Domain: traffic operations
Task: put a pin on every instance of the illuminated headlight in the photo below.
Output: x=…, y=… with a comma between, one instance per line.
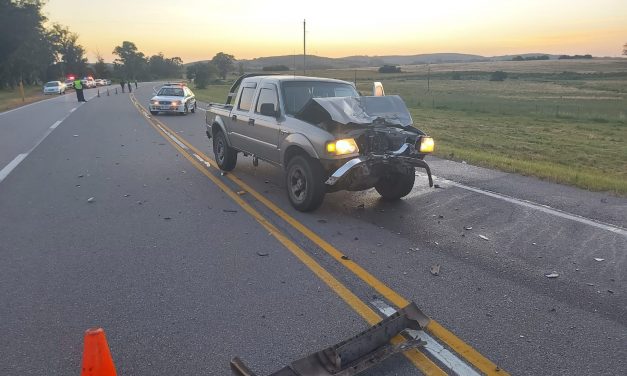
x=341, y=147
x=175, y=103
x=427, y=145
x=154, y=102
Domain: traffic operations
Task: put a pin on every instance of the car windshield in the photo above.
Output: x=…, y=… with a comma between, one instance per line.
x=171, y=91
x=52, y=84
x=297, y=93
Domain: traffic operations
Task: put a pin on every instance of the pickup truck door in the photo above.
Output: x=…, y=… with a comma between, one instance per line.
x=264, y=128
x=239, y=127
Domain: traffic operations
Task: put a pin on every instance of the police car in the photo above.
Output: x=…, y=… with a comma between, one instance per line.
x=173, y=98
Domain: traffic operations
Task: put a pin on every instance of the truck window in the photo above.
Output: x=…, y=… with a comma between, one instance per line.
x=246, y=99
x=297, y=93
x=267, y=95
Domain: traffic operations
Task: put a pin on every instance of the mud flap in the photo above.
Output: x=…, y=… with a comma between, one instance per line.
x=356, y=354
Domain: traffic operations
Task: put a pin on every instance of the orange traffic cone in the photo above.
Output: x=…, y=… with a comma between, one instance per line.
x=96, y=356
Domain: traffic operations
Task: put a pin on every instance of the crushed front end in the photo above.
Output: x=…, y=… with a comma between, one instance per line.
x=383, y=139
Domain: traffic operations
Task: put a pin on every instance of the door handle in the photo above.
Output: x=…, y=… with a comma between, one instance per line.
x=251, y=121
x=281, y=131
x=234, y=117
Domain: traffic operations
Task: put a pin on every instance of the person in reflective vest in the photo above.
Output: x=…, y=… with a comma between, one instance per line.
x=78, y=86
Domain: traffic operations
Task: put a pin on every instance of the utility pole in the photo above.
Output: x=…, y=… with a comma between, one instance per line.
x=304, y=50
x=428, y=78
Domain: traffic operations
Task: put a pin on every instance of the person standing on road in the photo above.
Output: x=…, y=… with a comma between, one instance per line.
x=129, y=86
x=135, y=84
x=78, y=87
x=122, y=84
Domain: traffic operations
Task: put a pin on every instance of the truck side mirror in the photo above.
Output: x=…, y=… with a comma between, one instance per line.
x=267, y=109
x=377, y=90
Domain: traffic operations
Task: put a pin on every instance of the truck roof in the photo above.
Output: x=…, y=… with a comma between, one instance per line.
x=293, y=78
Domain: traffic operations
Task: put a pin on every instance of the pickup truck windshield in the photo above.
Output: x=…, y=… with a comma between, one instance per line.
x=297, y=93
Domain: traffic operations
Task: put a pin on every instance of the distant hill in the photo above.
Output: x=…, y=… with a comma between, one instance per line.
x=320, y=62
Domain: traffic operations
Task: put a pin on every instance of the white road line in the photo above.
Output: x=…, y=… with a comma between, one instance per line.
x=438, y=351
x=532, y=205
x=13, y=164
x=17, y=160
x=173, y=138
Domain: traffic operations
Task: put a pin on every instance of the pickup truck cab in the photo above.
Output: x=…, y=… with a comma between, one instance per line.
x=323, y=134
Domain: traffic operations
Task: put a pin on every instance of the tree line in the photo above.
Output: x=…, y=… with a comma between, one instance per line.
x=32, y=53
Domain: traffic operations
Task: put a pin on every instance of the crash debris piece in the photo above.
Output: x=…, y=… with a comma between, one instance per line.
x=599, y=259
x=240, y=193
x=91, y=199
x=260, y=253
x=484, y=237
x=322, y=221
x=344, y=257
x=435, y=269
x=468, y=228
x=552, y=275
x=229, y=211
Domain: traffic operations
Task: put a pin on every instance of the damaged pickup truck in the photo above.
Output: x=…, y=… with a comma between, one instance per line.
x=323, y=134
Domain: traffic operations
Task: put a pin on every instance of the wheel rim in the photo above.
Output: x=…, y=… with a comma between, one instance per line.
x=220, y=149
x=297, y=184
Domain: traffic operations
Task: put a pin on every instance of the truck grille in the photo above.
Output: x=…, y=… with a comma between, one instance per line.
x=165, y=102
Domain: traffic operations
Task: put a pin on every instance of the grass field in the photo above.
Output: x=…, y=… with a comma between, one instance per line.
x=12, y=98
x=563, y=121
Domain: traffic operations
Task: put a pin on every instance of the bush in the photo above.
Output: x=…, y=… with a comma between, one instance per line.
x=498, y=76
x=275, y=68
x=389, y=69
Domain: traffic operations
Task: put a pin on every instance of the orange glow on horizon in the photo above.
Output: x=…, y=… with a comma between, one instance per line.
x=249, y=29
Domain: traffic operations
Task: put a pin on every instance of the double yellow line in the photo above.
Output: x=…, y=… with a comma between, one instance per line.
x=421, y=361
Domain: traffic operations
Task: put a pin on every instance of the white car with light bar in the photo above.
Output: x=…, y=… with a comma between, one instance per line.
x=54, y=87
x=176, y=98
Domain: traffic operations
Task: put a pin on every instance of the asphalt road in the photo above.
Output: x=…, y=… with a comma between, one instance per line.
x=182, y=277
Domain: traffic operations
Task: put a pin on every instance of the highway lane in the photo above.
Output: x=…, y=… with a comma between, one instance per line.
x=21, y=129
x=68, y=264
x=170, y=266
x=499, y=284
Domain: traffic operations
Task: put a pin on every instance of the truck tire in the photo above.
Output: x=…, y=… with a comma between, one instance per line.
x=226, y=156
x=394, y=186
x=305, y=183
x=193, y=110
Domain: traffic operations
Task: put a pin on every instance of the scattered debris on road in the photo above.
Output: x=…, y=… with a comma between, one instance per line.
x=468, y=228
x=229, y=210
x=91, y=199
x=259, y=253
x=435, y=269
x=322, y=221
x=360, y=207
x=599, y=259
x=167, y=218
x=436, y=186
x=240, y=193
x=344, y=257
x=223, y=173
x=484, y=237
x=552, y=275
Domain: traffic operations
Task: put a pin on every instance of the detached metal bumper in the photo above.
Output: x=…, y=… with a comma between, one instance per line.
x=356, y=354
x=404, y=155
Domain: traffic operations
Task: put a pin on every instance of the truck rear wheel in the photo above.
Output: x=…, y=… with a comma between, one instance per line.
x=394, y=186
x=305, y=183
x=226, y=156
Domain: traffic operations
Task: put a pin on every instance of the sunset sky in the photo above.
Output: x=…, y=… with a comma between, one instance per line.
x=198, y=29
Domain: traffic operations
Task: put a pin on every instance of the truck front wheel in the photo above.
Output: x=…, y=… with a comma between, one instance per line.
x=225, y=155
x=305, y=183
x=396, y=185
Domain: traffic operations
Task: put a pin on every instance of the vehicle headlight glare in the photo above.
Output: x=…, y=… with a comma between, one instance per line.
x=341, y=147
x=427, y=145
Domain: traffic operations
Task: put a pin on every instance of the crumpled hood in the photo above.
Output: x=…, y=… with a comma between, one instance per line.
x=389, y=110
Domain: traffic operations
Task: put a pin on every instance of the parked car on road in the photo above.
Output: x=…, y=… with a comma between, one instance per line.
x=54, y=87
x=173, y=98
x=322, y=133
